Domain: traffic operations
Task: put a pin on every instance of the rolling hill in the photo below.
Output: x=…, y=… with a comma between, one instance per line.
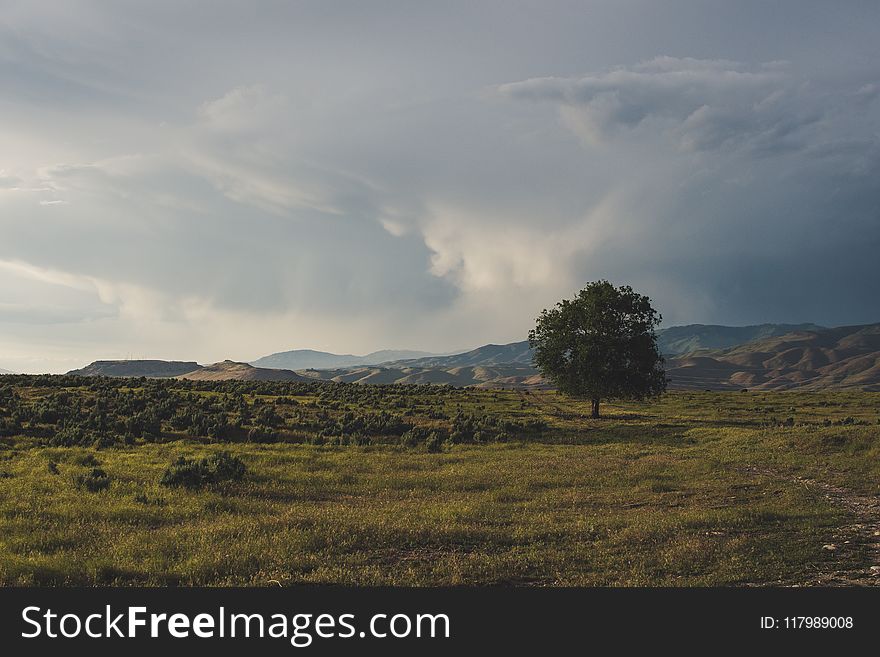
x=778, y=356
x=677, y=340
x=504, y=376
x=672, y=341
x=300, y=359
x=156, y=369
x=229, y=369
x=807, y=358
x=843, y=357
x=490, y=354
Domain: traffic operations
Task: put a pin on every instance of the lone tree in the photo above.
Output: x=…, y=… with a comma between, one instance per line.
x=600, y=345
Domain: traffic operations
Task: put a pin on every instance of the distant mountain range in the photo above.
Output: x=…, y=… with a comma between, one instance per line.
x=483, y=376
x=766, y=356
x=491, y=354
x=677, y=340
x=843, y=357
x=672, y=341
x=2, y=371
x=303, y=359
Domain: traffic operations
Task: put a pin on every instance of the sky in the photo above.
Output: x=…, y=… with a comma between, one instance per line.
x=210, y=180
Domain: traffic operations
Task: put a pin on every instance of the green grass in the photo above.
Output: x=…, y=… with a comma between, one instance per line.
x=695, y=489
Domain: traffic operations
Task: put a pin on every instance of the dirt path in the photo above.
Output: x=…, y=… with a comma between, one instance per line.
x=862, y=534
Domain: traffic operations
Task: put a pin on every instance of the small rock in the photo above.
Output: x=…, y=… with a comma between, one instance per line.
x=829, y=547
x=875, y=571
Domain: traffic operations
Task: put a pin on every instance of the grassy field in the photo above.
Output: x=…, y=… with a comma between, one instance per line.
x=695, y=489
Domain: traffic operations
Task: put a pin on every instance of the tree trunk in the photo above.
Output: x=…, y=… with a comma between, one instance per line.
x=595, y=404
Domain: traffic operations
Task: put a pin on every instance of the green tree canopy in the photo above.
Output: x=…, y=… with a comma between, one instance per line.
x=600, y=345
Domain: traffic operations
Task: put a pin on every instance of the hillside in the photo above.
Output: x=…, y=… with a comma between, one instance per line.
x=810, y=358
x=136, y=368
x=843, y=357
x=677, y=340
x=300, y=359
x=672, y=341
x=507, y=376
x=230, y=370
x=490, y=354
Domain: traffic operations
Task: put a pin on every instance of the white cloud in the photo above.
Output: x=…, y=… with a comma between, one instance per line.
x=244, y=111
x=702, y=104
x=484, y=254
x=8, y=181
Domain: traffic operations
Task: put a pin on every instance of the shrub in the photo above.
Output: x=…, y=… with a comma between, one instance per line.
x=105, y=440
x=93, y=481
x=361, y=440
x=418, y=436
x=9, y=427
x=269, y=417
x=77, y=436
x=434, y=443
x=70, y=437
x=261, y=435
x=88, y=460
x=196, y=473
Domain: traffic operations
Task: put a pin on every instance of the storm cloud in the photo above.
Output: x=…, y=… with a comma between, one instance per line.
x=214, y=180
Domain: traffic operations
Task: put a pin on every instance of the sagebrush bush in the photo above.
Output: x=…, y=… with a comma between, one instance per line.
x=421, y=435
x=262, y=434
x=93, y=481
x=88, y=460
x=434, y=443
x=196, y=473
